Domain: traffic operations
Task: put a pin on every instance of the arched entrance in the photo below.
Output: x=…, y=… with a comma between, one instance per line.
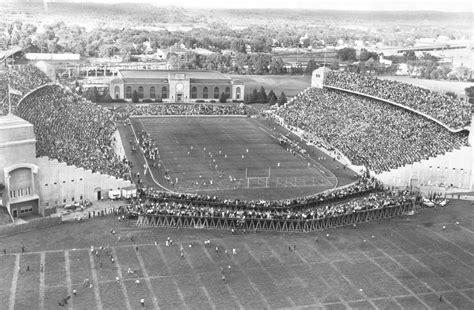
x=98, y=193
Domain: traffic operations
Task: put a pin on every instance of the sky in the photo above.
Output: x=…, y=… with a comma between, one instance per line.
x=383, y=5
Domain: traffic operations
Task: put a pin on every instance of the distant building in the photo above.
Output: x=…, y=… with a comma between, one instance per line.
x=175, y=85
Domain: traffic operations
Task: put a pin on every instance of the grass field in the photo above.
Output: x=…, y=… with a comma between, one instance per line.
x=245, y=151
x=290, y=84
x=401, y=263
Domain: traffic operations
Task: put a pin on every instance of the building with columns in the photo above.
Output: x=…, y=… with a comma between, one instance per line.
x=175, y=85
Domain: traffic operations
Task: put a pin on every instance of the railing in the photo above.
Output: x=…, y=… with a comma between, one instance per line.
x=278, y=225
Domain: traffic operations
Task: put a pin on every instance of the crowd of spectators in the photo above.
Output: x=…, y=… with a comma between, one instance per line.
x=160, y=203
x=363, y=186
x=180, y=109
x=21, y=78
x=73, y=130
x=453, y=112
x=370, y=133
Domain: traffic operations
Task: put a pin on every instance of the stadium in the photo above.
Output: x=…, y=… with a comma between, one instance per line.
x=251, y=199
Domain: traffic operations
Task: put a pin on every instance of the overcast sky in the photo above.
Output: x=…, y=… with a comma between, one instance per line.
x=389, y=5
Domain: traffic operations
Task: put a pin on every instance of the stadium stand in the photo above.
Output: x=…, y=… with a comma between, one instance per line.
x=454, y=112
x=21, y=78
x=368, y=132
x=180, y=109
x=72, y=130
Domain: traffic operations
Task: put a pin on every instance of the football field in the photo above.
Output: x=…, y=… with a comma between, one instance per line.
x=400, y=263
x=234, y=157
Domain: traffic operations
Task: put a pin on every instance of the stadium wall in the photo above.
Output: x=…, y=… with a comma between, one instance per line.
x=61, y=184
x=450, y=172
x=37, y=223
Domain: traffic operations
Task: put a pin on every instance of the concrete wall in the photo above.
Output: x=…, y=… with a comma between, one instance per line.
x=31, y=224
x=61, y=184
x=451, y=171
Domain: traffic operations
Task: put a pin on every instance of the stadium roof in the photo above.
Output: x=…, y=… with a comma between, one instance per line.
x=163, y=74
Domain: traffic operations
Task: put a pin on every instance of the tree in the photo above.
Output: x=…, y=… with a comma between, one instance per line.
x=282, y=99
x=135, y=96
x=311, y=66
x=347, y=54
x=107, y=98
x=223, y=98
x=366, y=55
x=272, y=98
x=92, y=94
x=262, y=96
x=254, y=96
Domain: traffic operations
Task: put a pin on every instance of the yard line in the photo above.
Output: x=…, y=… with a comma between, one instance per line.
x=147, y=280
x=297, y=254
x=186, y=258
x=14, y=282
x=41, y=284
x=249, y=250
x=67, y=267
x=180, y=293
x=394, y=278
x=466, y=229
x=280, y=260
x=447, y=240
x=229, y=289
x=406, y=269
x=96, y=282
x=418, y=261
x=122, y=284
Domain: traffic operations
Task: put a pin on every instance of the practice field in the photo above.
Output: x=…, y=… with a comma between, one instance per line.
x=401, y=263
x=290, y=84
x=236, y=157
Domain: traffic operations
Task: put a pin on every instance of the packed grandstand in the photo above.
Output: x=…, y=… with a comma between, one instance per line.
x=454, y=112
x=380, y=136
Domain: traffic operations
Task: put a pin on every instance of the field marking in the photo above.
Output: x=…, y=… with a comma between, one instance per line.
x=229, y=289
x=467, y=229
x=278, y=257
x=331, y=175
x=67, y=267
x=146, y=161
x=41, y=284
x=394, y=278
x=178, y=289
x=122, y=284
x=147, y=279
x=447, y=240
x=407, y=270
x=262, y=297
x=304, y=260
x=429, y=269
x=413, y=257
x=96, y=282
x=249, y=250
x=193, y=271
x=14, y=282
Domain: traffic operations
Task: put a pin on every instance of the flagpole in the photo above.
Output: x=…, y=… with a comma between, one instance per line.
x=9, y=100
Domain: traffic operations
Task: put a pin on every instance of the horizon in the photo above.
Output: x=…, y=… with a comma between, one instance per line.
x=454, y=6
